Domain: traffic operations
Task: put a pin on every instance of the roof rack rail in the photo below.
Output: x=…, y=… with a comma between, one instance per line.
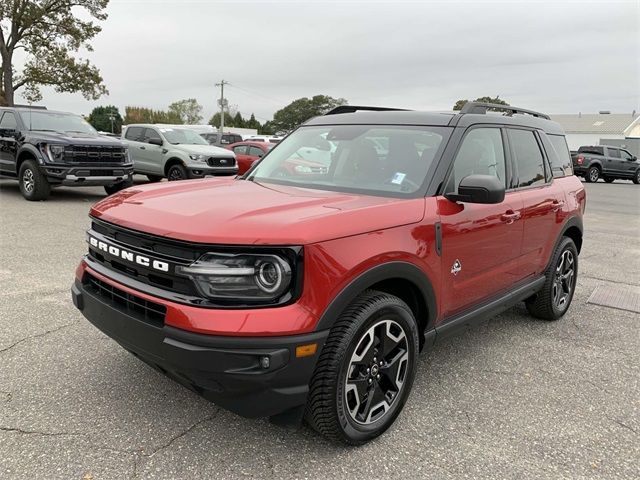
x=355, y=108
x=478, y=107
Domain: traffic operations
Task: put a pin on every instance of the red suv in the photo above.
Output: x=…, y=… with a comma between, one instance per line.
x=293, y=292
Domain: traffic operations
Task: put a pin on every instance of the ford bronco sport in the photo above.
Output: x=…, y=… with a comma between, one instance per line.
x=44, y=149
x=308, y=294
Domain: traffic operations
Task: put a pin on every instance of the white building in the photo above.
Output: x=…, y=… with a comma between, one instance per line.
x=589, y=129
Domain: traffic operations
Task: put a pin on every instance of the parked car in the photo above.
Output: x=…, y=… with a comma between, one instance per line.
x=608, y=163
x=221, y=139
x=44, y=149
x=264, y=139
x=312, y=294
x=248, y=152
x=174, y=153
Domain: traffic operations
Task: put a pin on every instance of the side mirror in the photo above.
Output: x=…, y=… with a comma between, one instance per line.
x=155, y=141
x=633, y=158
x=478, y=189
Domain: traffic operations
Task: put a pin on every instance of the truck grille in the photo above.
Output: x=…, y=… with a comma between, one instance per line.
x=144, y=310
x=91, y=154
x=221, y=162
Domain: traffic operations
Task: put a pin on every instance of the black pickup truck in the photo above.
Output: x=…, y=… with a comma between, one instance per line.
x=608, y=163
x=43, y=149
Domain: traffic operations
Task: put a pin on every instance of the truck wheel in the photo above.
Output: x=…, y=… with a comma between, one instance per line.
x=553, y=300
x=33, y=185
x=366, y=370
x=636, y=177
x=608, y=179
x=592, y=175
x=116, y=187
x=176, y=172
x=154, y=178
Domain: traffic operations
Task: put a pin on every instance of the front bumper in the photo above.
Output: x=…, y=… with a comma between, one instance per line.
x=202, y=170
x=87, y=175
x=229, y=371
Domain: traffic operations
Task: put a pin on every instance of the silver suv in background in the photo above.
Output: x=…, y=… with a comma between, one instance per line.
x=161, y=151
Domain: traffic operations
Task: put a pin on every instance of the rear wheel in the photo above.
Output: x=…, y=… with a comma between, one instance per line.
x=592, y=175
x=366, y=370
x=176, y=172
x=636, y=177
x=553, y=300
x=608, y=179
x=154, y=178
x=33, y=184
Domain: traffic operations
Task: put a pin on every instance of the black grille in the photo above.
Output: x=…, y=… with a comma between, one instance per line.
x=94, y=154
x=220, y=162
x=144, y=310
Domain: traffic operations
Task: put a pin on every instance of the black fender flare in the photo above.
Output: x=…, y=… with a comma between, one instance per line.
x=385, y=271
x=29, y=149
x=595, y=163
x=569, y=223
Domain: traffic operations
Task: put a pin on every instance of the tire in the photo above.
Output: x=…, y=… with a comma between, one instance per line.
x=33, y=184
x=177, y=172
x=608, y=179
x=116, y=187
x=592, y=175
x=546, y=303
x=335, y=406
x=154, y=178
x=636, y=177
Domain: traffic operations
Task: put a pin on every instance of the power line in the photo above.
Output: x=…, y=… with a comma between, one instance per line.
x=255, y=94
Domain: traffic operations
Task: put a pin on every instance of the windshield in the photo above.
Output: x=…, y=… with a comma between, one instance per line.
x=183, y=136
x=56, y=122
x=371, y=159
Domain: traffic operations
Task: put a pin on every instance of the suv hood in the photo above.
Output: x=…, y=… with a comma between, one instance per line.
x=203, y=150
x=83, y=139
x=229, y=211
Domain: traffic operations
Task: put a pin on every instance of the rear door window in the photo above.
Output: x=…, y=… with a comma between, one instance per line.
x=613, y=152
x=528, y=158
x=561, y=164
x=134, y=134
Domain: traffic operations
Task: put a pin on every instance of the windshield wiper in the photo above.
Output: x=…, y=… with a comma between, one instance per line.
x=76, y=131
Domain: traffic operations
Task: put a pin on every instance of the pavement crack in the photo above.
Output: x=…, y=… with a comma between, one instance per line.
x=623, y=425
x=620, y=282
x=31, y=337
x=36, y=432
x=182, y=434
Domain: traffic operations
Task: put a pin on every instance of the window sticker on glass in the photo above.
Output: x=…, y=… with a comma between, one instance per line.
x=398, y=178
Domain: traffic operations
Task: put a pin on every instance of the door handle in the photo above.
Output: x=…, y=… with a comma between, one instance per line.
x=510, y=216
x=557, y=205
x=143, y=148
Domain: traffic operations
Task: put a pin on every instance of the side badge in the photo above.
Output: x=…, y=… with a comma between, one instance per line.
x=457, y=266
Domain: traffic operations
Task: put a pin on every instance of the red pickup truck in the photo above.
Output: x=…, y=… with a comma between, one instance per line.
x=301, y=293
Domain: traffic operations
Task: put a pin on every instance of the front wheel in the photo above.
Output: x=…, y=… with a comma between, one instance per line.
x=592, y=175
x=116, y=187
x=554, y=298
x=636, y=177
x=366, y=370
x=33, y=184
x=176, y=172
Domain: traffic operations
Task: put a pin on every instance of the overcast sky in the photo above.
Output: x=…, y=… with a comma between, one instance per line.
x=553, y=56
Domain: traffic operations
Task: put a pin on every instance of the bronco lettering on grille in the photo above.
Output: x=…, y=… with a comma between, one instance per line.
x=129, y=256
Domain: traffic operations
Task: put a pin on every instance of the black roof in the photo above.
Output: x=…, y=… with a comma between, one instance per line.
x=385, y=116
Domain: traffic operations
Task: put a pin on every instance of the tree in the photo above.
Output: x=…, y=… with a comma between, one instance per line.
x=49, y=33
x=238, y=121
x=301, y=110
x=253, y=123
x=460, y=103
x=100, y=118
x=188, y=111
x=148, y=115
x=215, y=120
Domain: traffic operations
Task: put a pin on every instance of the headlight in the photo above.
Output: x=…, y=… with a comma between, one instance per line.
x=198, y=158
x=245, y=277
x=54, y=152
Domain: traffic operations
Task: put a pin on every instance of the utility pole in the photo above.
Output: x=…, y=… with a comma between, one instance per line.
x=222, y=103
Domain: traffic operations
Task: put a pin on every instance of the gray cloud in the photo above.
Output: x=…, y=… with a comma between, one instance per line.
x=558, y=57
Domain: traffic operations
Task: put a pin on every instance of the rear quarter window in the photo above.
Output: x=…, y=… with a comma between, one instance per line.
x=560, y=158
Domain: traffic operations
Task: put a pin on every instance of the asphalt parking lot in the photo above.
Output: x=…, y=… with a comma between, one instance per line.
x=512, y=398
